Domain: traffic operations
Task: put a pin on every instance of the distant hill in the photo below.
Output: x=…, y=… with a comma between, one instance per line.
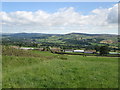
x=92, y=34
x=60, y=40
x=28, y=34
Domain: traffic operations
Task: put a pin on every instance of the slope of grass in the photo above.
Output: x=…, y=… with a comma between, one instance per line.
x=0, y=71
x=59, y=71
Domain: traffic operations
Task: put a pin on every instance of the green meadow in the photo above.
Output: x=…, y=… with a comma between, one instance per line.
x=39, y=69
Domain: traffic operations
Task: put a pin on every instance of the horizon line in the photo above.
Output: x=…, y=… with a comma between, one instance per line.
x=57, y=33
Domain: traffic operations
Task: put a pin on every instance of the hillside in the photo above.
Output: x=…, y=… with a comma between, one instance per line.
x=71, y=40
x=39, y=69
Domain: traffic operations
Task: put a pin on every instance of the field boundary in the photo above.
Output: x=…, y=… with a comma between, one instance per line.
x=83, y=54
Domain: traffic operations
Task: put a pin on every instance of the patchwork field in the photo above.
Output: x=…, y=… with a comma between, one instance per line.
x=37, y=69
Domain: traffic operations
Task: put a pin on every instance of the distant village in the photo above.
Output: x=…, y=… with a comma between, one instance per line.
x=55, y=49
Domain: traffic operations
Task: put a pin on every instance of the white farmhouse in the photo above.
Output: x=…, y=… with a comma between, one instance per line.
x=81, y=51
x=26, y=48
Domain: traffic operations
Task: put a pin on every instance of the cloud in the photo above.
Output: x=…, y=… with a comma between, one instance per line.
x=65, y=18
x=113, y=14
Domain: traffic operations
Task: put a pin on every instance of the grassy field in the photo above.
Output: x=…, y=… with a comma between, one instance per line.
x=0, y=71
x=35, y=69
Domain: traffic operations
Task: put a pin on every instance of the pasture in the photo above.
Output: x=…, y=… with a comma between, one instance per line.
x=37, y=69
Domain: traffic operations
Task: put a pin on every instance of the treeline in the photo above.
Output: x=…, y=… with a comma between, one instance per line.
x=70, y=44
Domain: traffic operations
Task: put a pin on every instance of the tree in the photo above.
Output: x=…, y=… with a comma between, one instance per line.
x=97, y=48
x=90, y=47
x=104, y=50
x=34, y=45
x=47, y=48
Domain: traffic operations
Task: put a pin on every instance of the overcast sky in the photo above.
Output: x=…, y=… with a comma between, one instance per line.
x=60, y=17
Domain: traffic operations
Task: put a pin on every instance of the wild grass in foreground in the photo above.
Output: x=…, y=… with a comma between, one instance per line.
x=59, y=71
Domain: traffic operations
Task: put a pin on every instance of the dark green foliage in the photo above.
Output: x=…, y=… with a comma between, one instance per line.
x=76, y=42
x=90, y=47
x=104, y=50
x=68, y=41
x=97, y=48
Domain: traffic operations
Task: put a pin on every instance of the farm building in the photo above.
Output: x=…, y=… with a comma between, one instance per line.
x=55, y=49
x=90, y=51
x=16, y=47
x=81, y=51
x=38, y=49
x=68, y=50
x=24, y=48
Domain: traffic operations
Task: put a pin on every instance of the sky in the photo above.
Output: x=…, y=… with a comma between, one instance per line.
x=59, y=17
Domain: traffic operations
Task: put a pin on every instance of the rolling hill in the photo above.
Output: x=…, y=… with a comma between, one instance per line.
x=73, y=40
